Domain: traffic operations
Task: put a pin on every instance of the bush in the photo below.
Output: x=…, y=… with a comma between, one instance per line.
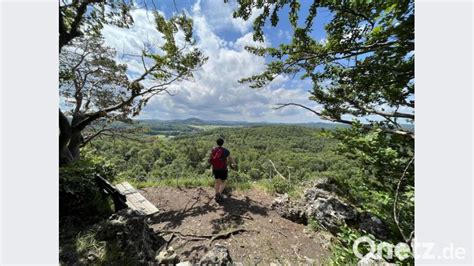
x=78, y=192
x=281, y=186
x=343, y=253
x=313, y=224
x=277, y=185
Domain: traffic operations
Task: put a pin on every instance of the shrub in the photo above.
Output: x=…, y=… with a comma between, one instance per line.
x=281, y=186
x=78, y=192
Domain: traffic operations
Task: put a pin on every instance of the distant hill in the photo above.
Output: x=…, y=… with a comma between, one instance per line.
x=197, y=121
x=178, y=127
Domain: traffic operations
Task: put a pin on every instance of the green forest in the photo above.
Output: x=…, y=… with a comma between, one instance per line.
x=361, y=80
x=366, y=178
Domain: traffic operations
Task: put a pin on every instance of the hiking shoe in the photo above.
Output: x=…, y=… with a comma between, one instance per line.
x=218, y=197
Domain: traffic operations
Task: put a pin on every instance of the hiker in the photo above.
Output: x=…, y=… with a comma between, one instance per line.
x=219, y=158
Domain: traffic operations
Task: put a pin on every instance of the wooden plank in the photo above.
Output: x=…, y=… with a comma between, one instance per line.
x=135, y=200
x=130, y=193
x=120, y=188
x=141, y=201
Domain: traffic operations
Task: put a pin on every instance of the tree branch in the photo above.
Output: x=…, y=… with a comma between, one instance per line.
x=279, y=174
x=353, y=12
x=64, y=36
x=88, y=139
x=347, y=122
x=395, y=204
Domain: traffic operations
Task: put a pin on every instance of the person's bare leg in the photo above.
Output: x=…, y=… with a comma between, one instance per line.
x=222, y=186
x=217, y=185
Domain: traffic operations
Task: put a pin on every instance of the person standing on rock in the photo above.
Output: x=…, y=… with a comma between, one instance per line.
x=219, y=159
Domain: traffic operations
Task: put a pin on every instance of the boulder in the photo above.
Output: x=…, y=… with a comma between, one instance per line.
x=288, y=210
x=327, y=185
x=318, y=204
x=167, y=257
x=314, y=193
x=184, y=263
x=321, y=203
x=129, y=232
x=218, y=255
x=331, y=213
x=373, y=225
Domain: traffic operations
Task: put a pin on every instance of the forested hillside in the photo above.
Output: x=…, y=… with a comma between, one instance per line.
x=299, y=152
x=274, y=159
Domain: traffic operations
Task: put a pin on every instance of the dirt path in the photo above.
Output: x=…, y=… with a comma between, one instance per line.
x=188, y=218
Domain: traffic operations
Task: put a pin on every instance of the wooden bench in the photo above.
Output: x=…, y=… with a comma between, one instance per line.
x=108, y=189
x=135, y=200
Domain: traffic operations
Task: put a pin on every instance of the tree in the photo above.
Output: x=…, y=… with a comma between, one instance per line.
x=363, y=70
x=362, y=75
x=78, y=16
x=97, y=87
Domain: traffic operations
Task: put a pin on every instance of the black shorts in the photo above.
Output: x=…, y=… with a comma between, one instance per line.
x=220, y=174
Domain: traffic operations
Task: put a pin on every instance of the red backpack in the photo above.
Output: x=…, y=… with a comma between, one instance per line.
x=217, y=158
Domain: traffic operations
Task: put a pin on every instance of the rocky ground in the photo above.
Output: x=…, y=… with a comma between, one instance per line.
x=193, y=224
x=247, y=228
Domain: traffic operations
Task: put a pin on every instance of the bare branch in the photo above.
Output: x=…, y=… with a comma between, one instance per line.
x=279, y=174
x=89, y=138
x=395, y=204
x=343, y=121
x=143, y=62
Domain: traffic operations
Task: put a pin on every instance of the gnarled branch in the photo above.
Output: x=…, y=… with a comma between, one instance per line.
x=395, y=203
x=347, y=122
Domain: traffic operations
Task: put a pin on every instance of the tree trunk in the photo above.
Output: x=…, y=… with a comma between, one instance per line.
x=65, y=155
x=70, y=139
x=75, y=143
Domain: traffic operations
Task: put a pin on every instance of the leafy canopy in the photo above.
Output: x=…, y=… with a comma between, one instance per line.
x=364, y=67
x=95, y=86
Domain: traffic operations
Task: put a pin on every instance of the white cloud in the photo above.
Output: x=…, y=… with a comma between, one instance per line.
x=219, y=16
x=129, y=43
x=284, y=34
x=215, y=92
x=247, y=40
x=131, y=40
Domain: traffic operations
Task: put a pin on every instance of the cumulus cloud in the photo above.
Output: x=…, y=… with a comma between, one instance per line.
x=129, y=43
x=214, y=92
x=219, y=16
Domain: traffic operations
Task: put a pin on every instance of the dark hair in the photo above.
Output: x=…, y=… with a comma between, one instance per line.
x=220, y=141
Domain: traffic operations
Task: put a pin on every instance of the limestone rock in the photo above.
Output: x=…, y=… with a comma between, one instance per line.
x=184, y=263
x=218, y=255
x=288, y=210
x=331, y=212
x=129, y=232
x=373, y=225
x=321, y=203
x=167, y=257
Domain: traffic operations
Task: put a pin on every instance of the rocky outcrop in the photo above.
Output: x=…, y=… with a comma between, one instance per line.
x=327, y=209
x=289, y=210
x=373, y=225
x=321, y=203
x=218, y=255
x=167, y=257
x=184, y=263
x=129, y=232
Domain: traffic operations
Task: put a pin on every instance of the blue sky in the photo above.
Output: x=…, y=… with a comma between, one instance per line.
x=214, y=93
